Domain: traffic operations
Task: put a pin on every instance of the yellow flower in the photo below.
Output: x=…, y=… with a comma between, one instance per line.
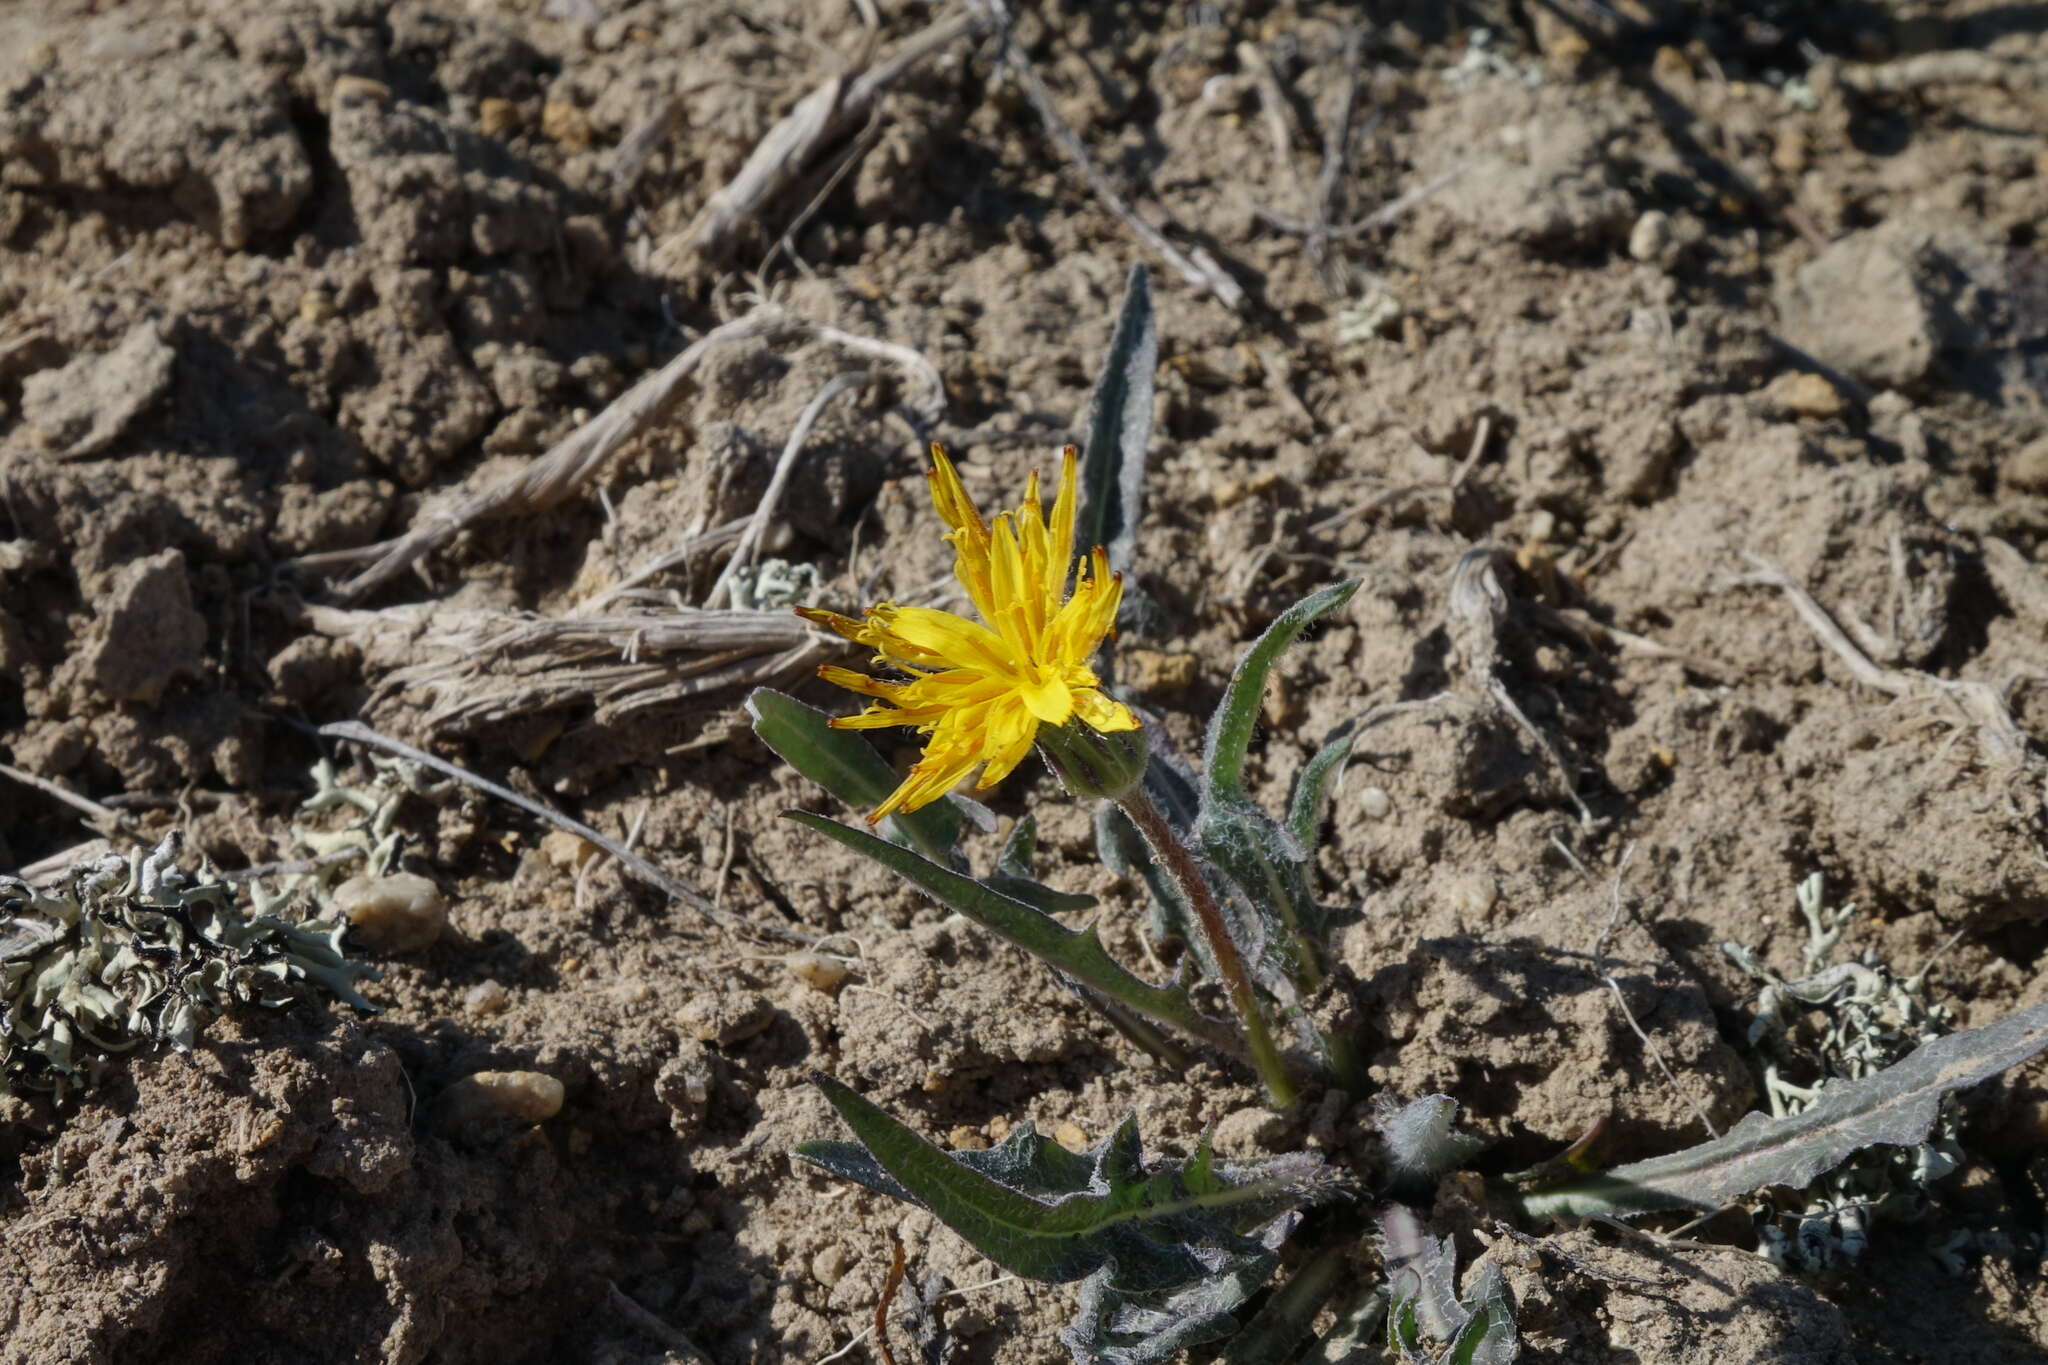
x=980, y=689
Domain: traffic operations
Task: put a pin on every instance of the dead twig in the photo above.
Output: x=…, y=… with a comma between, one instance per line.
x=1598, y=634
x=476, y=667
x=1978, y=702
x=624, y=1305
x=1378, y=218
x=104, y=818
x=1961, y=67
x=359, y=733
x=44, y=868
x=1477, y=606
x=581, y=455
x=785, y=243
x=630, y=158
x=553, y=476
x=1194, y=265
x=764, y=511
x=1276, y=111
x=1338, y=145
x=681, y=552
x=1656, y=1054
x=818, y=120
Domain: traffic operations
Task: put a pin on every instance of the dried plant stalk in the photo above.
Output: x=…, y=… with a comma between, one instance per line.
x=475, y=667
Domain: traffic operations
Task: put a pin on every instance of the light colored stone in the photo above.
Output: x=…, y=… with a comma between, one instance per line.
x=966, y=1139
x=1651, y=237
x=1803, y=394
x=565, y=850
x=1070, y=1135
x=819, y=971
x=498, y=117
x=1376, y=803
x=487, y=1097
x=486, y=998
x=723, y=1018
x=2026, y=469
x=396, y=913
x=828, y=1267
x=82, y=408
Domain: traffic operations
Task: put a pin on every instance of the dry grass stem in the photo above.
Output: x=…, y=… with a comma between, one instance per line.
x=579, y=457
x=764, y=512
x=474, y=667
x=629, y=861
x=1477, y=608
x=1195, y=266
x=1979, y=703
x=785, y=154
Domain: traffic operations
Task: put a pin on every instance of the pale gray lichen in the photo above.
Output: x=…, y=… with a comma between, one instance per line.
x=123, y=951
x=1863, y=1018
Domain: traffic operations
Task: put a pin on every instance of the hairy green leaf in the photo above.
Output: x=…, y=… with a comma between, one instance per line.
x=847, y=766
x=1312, y=788
x=1120, y=428
x=1428, y=1319
x=1230, y=729
x=1898, y=1105
x=1284, y=1324
x=1042, y=1212
x=1076, y=952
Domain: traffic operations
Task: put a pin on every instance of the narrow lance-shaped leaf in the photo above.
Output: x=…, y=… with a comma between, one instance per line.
x=1312, y=788
x=1061, y=1217
x=847, y=766
x=1120, y=428
x=1897, y=1105
x=1230, y=729
x=1078, y=953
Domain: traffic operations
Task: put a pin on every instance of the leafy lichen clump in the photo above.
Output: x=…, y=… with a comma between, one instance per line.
x=123, y=951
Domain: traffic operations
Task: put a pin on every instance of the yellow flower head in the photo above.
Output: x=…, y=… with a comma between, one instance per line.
x=980, y=689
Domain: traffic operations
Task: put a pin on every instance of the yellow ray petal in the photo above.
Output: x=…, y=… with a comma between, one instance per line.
x=1059, y=560
x=1104, y=713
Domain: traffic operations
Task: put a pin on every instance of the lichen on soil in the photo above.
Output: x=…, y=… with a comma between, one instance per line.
x=279, y=281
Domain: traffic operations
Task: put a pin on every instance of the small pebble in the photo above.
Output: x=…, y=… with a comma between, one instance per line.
x=1803, y=394
x=966, y=1139
x=725, y=1017
x=395, y=913
x=486, y=998
x=1651, y=237
x=497, y=117
x=1473, y=895
x=828, y=1267
x=317, y=305
x=498, y=1096
x=565, y=850
x=1070, y=1135
x=564, y=123
x=1375, y=802
x=817, y=970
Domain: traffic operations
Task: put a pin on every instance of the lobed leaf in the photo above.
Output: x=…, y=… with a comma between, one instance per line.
x=1477, y=1328
x=1897, y=1105
x=1120, y=428
x=1042, y=1212
x=1230, y=729
x=1076, y=952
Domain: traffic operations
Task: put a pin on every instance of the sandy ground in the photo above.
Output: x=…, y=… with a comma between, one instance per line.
x=1705, y=282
